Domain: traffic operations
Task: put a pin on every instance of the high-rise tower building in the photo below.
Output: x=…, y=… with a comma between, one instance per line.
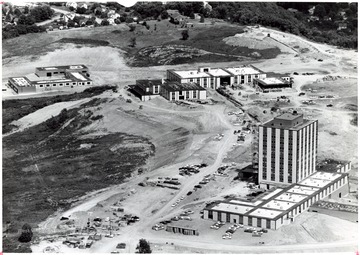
x=287, y=149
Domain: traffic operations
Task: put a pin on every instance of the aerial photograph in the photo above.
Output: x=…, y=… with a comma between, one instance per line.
x=180, y=127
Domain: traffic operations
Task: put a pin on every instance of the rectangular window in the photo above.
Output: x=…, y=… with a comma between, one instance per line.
x=187, y=94
x=41, y=86
x=56, y=72
x=249, y=78
x=54, y=85
x=89, y=83
x=47, y=85
x=210, y=214
x=268, y=224
x=250, y=221
x=242, y=79
x=67, y=84
x=205, y=82
x=191, y=80
x=219, y=216
x=259, y=223
x=241, y=220
x=227, y=217
x=198, y=81
x=74, y=83
x=194, y=94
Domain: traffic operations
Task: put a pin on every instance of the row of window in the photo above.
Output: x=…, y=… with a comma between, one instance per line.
x=239, y=219
x=62, y=84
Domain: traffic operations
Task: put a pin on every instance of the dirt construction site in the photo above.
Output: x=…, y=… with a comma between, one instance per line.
x=200, y=137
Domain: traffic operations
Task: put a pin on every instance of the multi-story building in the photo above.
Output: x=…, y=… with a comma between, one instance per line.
x=213, y=78
x=287, y=149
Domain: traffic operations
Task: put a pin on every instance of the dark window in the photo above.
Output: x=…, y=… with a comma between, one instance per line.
x=210, y=214
x=227, y=217
x=268, y=224
x=241, y=220
x=250, y=221
x=259, y=223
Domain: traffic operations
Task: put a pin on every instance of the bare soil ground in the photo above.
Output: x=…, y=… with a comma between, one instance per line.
x=181, y=135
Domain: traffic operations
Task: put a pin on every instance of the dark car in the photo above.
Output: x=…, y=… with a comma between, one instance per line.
x=121, y=246
x=189, y=193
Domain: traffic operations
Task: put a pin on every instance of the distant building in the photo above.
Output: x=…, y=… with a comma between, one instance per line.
x=146, y=89
x=51, y=78
x=172, y=91
x=342, y=26
x=215, y=77
x=292, y=10
x=287, y=149
x=71, y=4
x=272, y=83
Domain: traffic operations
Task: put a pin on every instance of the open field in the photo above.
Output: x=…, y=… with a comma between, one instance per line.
x=127, y=145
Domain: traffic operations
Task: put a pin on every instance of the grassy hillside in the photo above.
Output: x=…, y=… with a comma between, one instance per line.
x=46, y=167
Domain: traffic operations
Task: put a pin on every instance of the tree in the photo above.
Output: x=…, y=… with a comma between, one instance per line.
x=132, y=27
x=132, y=42
x=26, y=20
x=320, y=11
x=164, y=14
x=26, y=234
x=71, y=8
x=17, y=12
x=81, y=10
x=185, y=34
x=105, y=22
x=202, y=19
x=192, y=15
x=143, y=246
x=26, y=10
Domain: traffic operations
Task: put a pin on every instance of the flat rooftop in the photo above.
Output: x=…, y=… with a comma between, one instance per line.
x=218, y=72
x=271, y=81
x=243, y=70
x=304, y=190
x=21, y=81
x=266, y=213
x=177, y=86
x=54, y=68
x=271, y=194
x=191, y=74
x=226, y=207
x=281, y=200
x=288, y=121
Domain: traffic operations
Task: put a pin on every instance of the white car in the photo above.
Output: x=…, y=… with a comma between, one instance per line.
x=182, y=198
x=173, y=205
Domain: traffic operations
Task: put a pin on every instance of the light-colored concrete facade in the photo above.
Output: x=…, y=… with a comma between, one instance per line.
x=281, y=206
x=287, y=150
x=213, y=78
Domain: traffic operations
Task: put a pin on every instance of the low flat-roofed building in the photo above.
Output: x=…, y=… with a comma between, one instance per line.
x=61, y=78
x=271, y=84
x=174, y=91
x=280, y=206
x=59, y=70
x=21, y=85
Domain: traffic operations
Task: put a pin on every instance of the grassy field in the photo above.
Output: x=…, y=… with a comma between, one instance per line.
x=46, y=167
x=16, y=109
x=206, y=37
